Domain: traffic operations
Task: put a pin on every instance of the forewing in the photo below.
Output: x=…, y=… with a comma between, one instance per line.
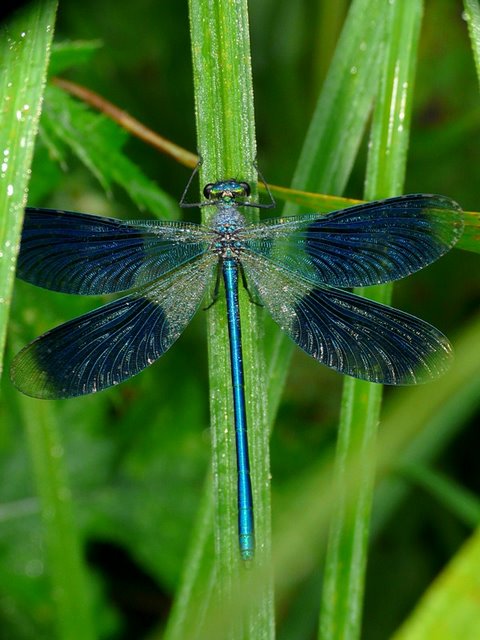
x=84, y=254
x=116, y=341
x=350, y=334
x=362, y=245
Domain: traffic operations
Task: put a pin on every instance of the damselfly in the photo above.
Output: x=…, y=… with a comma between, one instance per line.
x=296, y=267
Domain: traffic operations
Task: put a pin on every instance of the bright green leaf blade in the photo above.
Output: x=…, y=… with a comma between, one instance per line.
x=24, y=53
x=226, y=142
x=449, y=608
x=26, y=46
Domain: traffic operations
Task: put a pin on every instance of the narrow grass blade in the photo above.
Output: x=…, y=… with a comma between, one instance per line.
x=340, y=117
x=334, y=135
x=345, y=565
x=226, y=141
x=198, y=580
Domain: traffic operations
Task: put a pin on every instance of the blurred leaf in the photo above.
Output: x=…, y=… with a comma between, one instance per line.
x=69, y=54
x=449, y=608
x=156, y=476
x=464, y=504
x=430, y=418
x=98, y=143
x=71, y=595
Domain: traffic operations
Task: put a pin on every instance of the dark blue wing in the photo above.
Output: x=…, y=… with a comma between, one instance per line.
x=84, y=254
x=116, y=341
x=362, y=245
x=350, y=334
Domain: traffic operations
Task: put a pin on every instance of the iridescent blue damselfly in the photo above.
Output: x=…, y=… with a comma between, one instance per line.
x=297, y=267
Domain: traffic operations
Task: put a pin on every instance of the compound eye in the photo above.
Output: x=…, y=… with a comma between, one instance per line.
x=207, y=190
x=246, y=188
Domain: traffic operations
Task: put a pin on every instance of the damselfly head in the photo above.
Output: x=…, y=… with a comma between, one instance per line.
x=226, y=190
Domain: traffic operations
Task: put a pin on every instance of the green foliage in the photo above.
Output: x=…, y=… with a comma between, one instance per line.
x=125, y=473
x=68, y=126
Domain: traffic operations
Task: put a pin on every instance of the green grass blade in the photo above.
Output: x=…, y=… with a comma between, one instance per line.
x=346, y=559
x=24, y=52
x=226, y=142
x=340, y=117
x=26, y=44
x=334, y=136
x=70, y=590
x=198, y=579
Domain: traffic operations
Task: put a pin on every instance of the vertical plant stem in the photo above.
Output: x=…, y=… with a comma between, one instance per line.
x=68, y=577
x=226, y=142
x=342, y=599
